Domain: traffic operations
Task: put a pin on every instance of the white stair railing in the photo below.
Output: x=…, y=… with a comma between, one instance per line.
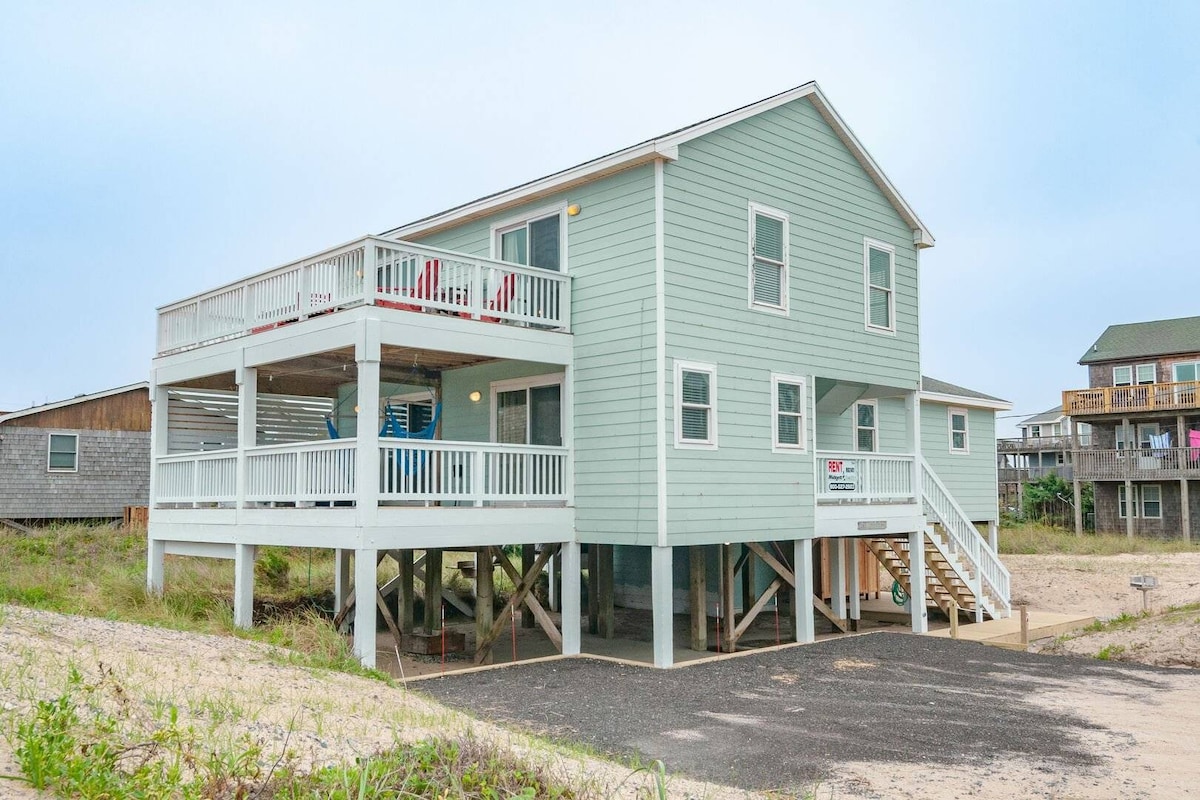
x=965, y=543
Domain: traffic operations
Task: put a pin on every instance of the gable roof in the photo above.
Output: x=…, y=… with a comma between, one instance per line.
x=666, y=146
x=83, y=398
x=943, y=392
x=1144, y=339
x=1050, y=415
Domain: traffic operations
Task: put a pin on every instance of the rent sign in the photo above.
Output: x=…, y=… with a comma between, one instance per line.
x=841, y=475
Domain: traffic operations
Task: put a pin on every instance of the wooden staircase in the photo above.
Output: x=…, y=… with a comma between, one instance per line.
x=944, y=583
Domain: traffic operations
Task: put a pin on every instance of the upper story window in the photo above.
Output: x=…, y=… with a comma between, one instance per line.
x=958, y=430
x=62, y=452
x=768, y=259
x=535, y=241
x=1035, y=431
x=879, y=271
x=1125, y=375
x=695, y=405
x=787, y=413
x=866, y=426
x=1188, y=371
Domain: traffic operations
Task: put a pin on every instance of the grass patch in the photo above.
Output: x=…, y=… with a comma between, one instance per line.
x=1036, y=539
x=1110, y=652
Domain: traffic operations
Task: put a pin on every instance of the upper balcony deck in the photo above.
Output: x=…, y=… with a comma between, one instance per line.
x=1148, y=398
x=371, y=271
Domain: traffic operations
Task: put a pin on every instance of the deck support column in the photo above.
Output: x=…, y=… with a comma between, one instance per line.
x=697, y=597
x=728, y=617
x=1185, y=509
x=433, y=590
x=1130, y=507
x=484, y=597
x=994, y=532
x=527, y=558
x=243, y=585
x=406, y=614
x=802, y=596
x=916, y=582
x=661, y=590
x=365, y=586
x=571, y=589
x=341, y=579
x=837, y=576
x=855, y=611
x=367, y=356
x=593, y=588
x=156, y=553
x=607, y=618
x=1076, y=485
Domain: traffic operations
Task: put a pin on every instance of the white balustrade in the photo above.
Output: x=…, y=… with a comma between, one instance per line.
x=371, y=271
x=471, y=472
x=196, y=478
x=305, y=472
x=862, y=477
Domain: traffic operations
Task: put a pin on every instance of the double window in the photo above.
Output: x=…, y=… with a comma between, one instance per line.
x=879, y=262
x=534, y=242
x=695, y=405
x=866, y=426
x=1147, y=501
x=958, y=430
x=528, y=411
x=62, y=452
x=768, y=259
x=787, y=414
x=1126, y=375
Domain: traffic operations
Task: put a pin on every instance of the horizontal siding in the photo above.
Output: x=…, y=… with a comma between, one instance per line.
x=465, y=421
x=610, y=257
x=836, y=431
x=970, y=477
x=788, y=159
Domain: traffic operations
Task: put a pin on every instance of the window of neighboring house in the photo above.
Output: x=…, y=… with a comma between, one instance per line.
x=1061, y=459
x=534, y=242
x=866, y=426
x=787, y=413
x=1151, y=497
x=768, y=259
x=63, y=452
x=695, y=405
x=1123, y=376
x=1145, y=373
x=958, y=430
x=879, y=270
x=1035, y=431
x=1189, y=371
x=1144, y=431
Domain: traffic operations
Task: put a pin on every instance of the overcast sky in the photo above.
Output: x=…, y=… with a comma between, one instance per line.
x=152, y=151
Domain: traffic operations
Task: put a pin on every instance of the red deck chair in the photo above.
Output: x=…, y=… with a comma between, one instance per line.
x=504, y=297
x=426, y=288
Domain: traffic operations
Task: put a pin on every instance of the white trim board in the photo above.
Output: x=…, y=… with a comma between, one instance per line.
x=666, y=147
x=959, y=400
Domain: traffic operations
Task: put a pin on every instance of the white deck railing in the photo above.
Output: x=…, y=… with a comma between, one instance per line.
x=966, y=543
x=865, y=477
x=370, y=271
x=196, y=478
x=306, y=472
x=472, y=473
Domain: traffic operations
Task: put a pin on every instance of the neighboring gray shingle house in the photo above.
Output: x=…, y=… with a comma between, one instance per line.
x=83, y=458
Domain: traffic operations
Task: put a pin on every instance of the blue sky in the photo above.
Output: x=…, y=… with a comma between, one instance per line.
x=152, y=151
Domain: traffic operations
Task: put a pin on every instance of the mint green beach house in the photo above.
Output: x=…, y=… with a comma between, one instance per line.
x=671, y=369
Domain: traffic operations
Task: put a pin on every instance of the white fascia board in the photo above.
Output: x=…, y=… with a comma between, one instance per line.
x=26, y=412
x=959, y=400
x=644, y=153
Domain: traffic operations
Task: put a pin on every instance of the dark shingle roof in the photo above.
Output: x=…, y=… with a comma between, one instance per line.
x=929, y=384
x=1142, y=339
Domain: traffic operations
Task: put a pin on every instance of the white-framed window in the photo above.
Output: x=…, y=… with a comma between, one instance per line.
x=528, y=410
x=536, y=240
x=1151, y=500
x=1185, y=371
x=787, y=414
x=866, y=426
x=957, y=420
x=695, y=405
x=879, y=277
x=1144, y=431
x=1125, y=375
x=1145, y=374
x=62, y=452
x=1035, y=431
x=1147, y=501
x=768, y=276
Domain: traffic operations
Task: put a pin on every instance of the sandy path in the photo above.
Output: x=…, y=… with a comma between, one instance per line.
x=1099, y=585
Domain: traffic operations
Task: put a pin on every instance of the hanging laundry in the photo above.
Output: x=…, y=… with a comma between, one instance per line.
x=1160, y=441
x=1194, y=444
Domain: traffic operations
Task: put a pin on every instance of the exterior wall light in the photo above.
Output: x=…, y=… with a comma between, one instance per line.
x=573, y=210
x=475, y=396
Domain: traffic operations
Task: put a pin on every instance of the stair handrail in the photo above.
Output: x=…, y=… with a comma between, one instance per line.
x=965, y=536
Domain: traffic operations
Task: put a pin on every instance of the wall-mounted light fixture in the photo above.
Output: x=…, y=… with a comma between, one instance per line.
x=573, y=210
x=475, y=396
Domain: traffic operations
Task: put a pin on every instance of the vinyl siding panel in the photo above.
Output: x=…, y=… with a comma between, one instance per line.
x=790, y=160
x=970, y=477
x=610, y=257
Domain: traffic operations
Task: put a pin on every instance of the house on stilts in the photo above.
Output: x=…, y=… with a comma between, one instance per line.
x=677, y=368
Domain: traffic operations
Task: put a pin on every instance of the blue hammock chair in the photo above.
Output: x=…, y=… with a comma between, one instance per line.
x=409, y=462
